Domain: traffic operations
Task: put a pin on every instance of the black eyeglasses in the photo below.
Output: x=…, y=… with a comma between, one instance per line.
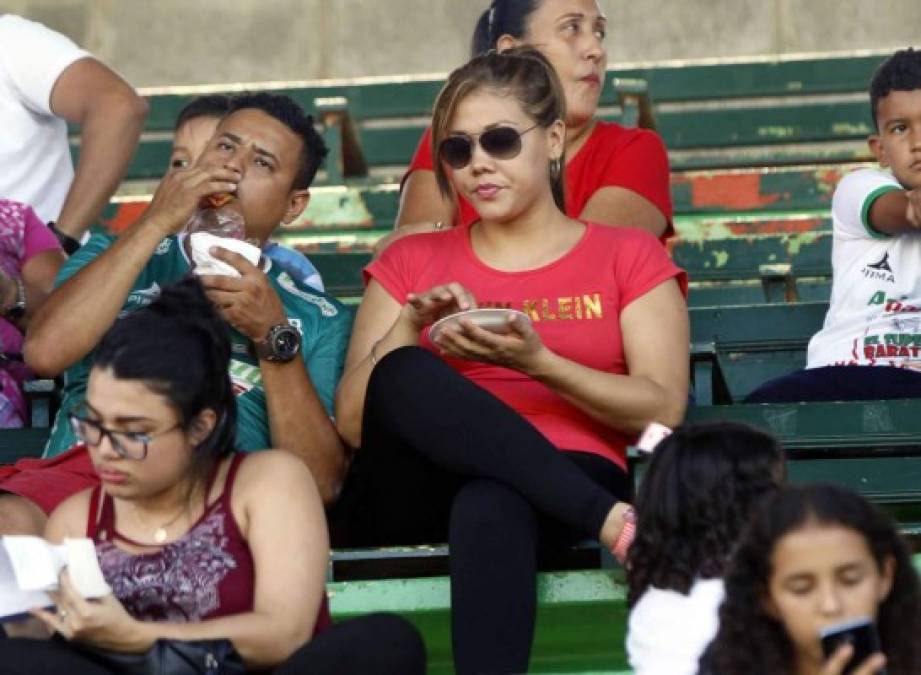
x=128, y=444
x=498, y=142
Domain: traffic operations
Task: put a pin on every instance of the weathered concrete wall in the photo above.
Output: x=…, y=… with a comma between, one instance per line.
x=164, y=42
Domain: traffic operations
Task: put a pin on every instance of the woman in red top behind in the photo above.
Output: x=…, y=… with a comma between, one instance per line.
x=614, y=175
x=503, y=441
x=195, y=540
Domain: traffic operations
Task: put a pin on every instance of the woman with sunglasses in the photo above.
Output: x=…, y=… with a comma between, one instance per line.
x=196, y=541
x=613, y=175
x=505, y=441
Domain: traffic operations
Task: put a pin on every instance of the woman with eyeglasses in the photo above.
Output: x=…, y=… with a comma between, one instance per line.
x=507, y=438
x=614, y=175
x=196, y=541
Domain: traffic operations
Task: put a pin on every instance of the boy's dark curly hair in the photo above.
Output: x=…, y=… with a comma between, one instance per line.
x=695, y=498
x=749, y=641
x=900, y=72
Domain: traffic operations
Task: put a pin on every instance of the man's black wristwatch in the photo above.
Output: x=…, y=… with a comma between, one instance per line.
x=281, y=345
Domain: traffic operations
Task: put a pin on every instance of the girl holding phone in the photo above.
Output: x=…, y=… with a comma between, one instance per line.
x=812, y=558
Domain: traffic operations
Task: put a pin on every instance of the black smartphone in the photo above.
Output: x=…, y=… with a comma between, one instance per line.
x=861, y=633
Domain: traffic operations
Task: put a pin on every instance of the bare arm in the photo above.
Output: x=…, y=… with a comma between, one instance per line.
x=111, y=116
x=375, y=322
x=38, y=275
x=286, y=532
x=298, y=422
x=76, y=315
x=383, y=325
x=656, y=337
x=613, y=205
x=422, y=209
x=896, y=212
x=422, y=202
x=281, y=516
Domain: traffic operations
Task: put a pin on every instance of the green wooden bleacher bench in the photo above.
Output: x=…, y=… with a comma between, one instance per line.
x=736, y=348
x=872, y=447
x=770, y=112
x=581, y=620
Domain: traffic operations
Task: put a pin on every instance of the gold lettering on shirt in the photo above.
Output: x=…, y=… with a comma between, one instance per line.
x=529, y=307
x=564, y=307
x=592, y=306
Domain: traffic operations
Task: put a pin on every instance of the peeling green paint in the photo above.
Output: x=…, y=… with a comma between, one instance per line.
x=794, y=242
x=334, y=206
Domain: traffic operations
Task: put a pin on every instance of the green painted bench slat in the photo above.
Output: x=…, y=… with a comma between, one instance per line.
x=760, y=326
x=581, y=617
x=764, y=125
x=668, y=83
x=735, y=349
x=794, y=77
x=829, y=429
x=808, y=253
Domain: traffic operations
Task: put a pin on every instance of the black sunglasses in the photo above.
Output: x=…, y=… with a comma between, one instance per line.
x=498, y=142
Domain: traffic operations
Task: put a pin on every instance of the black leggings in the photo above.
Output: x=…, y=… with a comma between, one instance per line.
x=379, y=643
x=442, y=458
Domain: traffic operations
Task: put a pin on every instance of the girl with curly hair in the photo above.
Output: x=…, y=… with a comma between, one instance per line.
x=698, y=493
x=813, y=557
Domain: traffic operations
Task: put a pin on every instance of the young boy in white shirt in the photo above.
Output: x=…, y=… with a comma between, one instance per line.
x=875, y=314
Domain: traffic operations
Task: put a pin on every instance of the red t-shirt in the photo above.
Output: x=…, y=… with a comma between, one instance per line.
x=574, y=302
x=612, y=156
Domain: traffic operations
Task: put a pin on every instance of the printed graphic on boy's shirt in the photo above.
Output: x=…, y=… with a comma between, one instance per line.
x=880, y=270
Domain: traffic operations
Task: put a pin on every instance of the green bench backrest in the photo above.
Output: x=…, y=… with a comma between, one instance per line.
x=736, y=349
x=392, y=112
x=871, y=447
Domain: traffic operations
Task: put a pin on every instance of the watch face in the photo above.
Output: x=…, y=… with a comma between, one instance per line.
x=287, y=343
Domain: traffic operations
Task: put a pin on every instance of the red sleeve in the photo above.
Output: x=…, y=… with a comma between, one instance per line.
x=642, y=265
x=394, y=268
x=642, y=166
x=422, y=158
x=37, y=236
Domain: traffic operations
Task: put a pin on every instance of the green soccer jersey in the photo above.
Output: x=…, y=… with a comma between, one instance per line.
x=324, y=324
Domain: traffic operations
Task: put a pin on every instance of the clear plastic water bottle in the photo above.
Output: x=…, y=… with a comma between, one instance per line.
x=219, y=216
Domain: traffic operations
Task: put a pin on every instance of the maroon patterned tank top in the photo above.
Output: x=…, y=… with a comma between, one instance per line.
x=205, y=574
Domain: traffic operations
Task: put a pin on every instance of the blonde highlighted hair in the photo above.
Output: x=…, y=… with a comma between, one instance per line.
x=523, y=73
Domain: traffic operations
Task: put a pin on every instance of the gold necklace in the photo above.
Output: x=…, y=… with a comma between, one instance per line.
x=160, y=533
